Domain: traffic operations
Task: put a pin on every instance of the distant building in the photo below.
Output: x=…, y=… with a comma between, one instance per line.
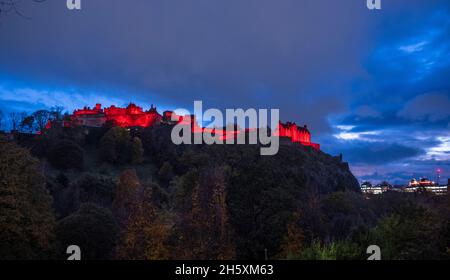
x=385, y=186
x=368, y=188
x=426, y=185
x=423, y=182
x=423, y=185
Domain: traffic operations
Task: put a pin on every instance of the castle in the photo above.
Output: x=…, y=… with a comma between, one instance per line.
x=135, y=116
x=296, y=134
x=130, y=116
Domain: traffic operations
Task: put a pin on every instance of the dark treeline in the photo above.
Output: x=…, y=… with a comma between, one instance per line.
x=132, y=194
x=30, y=123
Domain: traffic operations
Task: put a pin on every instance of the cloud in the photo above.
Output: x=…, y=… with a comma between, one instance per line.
x=378, y=153
x=431, y=106
x=440, y=151
x=366, y=111
x=414, y=47
x=22, y=98
x=346, y=133
x=30, y=98
x=254, y=53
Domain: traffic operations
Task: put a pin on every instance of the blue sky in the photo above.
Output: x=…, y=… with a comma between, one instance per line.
x=373, y=85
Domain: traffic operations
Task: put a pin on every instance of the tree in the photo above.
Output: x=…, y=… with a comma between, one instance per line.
x=165, y=173
x=115, y=145
x=26, y=217
x=41, y=119
x=92, y=228
x=409, y=233
x=205, y=232
x=1, y=119
x=62, y=179
x=262, y=195
x=137, y=151
x=96, y=189
x=27, y=123
x=346, y=214
x=15, y=120
x=294, y=240
x=56, y=113
x=225, y=248
x=126, y=196
x=65, y=154
x=156, y=139
x=145, y=234
x=69, y=195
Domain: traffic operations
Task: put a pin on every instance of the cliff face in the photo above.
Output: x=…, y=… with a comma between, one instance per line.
x=321, y=171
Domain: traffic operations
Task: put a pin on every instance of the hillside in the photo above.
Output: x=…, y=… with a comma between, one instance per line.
x=132, y=194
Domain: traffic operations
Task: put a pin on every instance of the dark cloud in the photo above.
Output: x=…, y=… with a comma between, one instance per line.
x=254, y=53
x=431, y=107
x=376, y=152
x=366, y=111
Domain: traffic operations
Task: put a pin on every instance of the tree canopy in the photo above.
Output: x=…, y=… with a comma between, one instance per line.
x=26, y=217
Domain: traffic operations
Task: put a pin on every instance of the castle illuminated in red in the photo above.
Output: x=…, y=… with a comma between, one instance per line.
x=297, y=134
x=135, y=116
x=131, y=116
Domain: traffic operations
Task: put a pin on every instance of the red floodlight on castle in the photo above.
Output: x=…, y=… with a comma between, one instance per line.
x=296, y=134
x=135, y=116
x=130, y=116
